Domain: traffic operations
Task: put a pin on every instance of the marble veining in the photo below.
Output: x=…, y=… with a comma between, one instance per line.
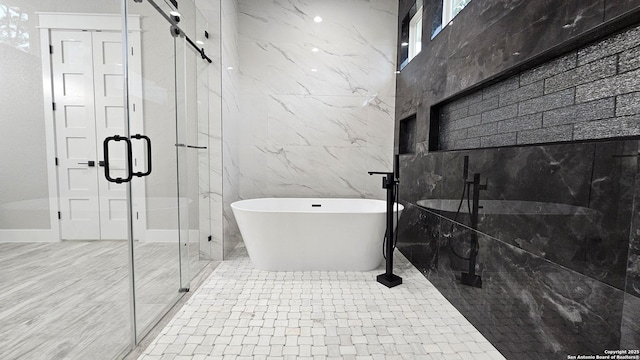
x=633, y=263
x=317, y=99
x=558, y=242
x=230, y=129
x=596, y=177
x=527, y=307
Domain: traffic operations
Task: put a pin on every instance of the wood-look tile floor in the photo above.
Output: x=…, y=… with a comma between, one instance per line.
x=70, y=300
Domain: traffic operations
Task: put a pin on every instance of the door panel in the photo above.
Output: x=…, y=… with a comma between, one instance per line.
x=110, y=116
x=88, y=85
x=72, y=72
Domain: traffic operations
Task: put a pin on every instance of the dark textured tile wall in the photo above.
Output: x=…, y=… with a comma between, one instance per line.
x=559, y=278
x=492, y=39
x=587, y=187
x=556, y=101
x=529, y=308
x=524, y=72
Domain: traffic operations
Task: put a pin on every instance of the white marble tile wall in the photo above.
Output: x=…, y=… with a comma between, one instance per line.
x=230, y=119
x=316, y=99
x=204, y=172
x=211, y=10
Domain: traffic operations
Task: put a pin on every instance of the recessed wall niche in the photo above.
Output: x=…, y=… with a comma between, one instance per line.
x=407, y=136
x=585, y=94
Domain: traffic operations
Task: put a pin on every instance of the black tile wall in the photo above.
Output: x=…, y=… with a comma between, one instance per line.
x=559, y=234
x=558, y=237
x=548, y=46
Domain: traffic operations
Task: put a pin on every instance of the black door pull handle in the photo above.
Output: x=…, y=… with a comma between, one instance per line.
x=148, y=141
x=130, y=173
x=105, y=148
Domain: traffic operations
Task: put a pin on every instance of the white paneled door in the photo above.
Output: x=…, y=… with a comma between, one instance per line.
x=87, y=76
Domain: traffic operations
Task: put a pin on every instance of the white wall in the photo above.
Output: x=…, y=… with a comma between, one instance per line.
x=316, y=133
x=24, y=195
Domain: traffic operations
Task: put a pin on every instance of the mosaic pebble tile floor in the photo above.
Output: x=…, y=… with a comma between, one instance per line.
x=243, y=313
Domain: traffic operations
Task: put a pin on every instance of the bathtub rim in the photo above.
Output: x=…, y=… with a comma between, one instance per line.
x=235, y=206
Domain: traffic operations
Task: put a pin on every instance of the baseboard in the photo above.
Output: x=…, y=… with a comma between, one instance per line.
x=27, y=235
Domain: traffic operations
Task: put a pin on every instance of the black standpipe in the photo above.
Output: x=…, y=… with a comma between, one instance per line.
x=389, y=181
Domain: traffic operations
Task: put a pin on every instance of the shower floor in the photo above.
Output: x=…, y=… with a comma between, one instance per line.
x=70, y=300
x=243, y=313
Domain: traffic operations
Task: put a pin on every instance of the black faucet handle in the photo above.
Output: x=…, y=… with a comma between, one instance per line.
x=388, y=180
x=465, y=168
x=477, y=182
x=396, y=166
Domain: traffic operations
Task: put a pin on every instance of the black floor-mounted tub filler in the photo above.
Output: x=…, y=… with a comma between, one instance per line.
x=390, y=182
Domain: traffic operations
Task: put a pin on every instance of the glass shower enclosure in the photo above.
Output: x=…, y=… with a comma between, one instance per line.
x=104, y=172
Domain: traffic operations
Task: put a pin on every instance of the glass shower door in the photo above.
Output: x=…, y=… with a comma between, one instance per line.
x=63, y=227
x=193, y=138
x=193, y=132
x=168, y=134
x=156, y=104
x=200, y=246
x=184, y=199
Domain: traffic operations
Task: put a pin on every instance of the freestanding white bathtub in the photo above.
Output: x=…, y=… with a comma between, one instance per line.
x=289, y=234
